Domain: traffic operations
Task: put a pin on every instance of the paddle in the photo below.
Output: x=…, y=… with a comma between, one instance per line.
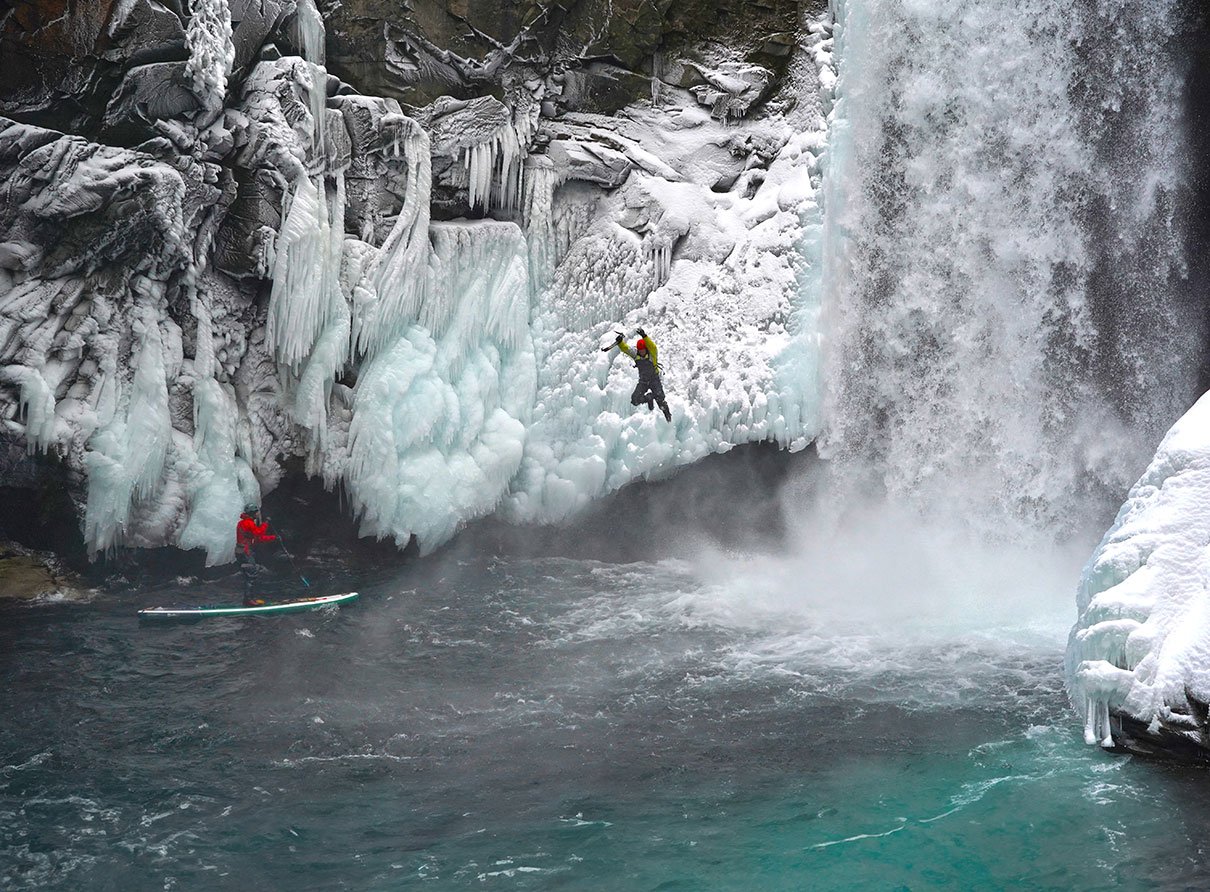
x=282, y=543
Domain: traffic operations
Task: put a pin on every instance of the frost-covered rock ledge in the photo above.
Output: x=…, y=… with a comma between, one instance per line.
x=218, y=260
x=1138, y=660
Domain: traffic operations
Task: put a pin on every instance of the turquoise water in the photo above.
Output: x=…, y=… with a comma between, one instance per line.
x=564, y=724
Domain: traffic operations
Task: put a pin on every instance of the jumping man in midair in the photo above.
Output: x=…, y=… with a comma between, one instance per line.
x=649, y=390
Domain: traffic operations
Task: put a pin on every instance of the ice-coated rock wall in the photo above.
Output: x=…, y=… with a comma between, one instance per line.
x=220, y=263
x=1138, y=661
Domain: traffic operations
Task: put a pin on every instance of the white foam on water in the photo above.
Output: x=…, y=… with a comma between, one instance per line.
x=870, y=619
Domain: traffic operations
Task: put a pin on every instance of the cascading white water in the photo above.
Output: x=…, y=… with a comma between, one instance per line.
x=1008, y=323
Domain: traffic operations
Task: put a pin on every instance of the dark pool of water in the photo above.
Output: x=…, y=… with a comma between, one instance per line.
x=561, y=724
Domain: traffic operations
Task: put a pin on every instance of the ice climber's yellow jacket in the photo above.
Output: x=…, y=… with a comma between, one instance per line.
x=652, y=353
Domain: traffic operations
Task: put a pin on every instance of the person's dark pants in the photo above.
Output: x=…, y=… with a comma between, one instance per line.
x=650, y=392
x=251, y=571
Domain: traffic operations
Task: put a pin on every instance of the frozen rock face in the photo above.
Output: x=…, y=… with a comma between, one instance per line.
x=221, y=263
x=1138, y=661
x=588, y=57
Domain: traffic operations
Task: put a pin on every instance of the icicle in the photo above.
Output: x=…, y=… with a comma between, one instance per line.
x=330, y=350
x=306, y=277
x=539, y=184
x=211, y=52
x=661, y=261
x=214, y=481
x=1100, y=686
x=308, y=323
x=1090, y=721
x=36, y=404
x=479, y=285
x=314, y=43
x=126, y=457
x=400, y=279
x=203, y=351
x=497, y=159
x=479, y=161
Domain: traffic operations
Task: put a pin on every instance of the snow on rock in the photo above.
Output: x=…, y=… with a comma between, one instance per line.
x=726, y=283
x=211, y=52
x=732, y=89
x=88, y=345
x=1141, y=646
x=480, y=135
x=263, y=280
x=377, y=178
x=722, y=321
x=73, y=207
x=274, y=121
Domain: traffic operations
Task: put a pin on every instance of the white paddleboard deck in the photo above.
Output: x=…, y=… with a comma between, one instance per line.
x=291, y=606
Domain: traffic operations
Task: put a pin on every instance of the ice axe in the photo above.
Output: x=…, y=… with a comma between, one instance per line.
x=616, y=341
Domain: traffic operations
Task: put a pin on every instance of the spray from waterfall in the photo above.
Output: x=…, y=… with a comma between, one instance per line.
x=1009, y=323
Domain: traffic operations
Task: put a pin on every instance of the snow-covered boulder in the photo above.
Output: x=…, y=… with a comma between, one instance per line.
x=1138, y=660
x=731, y=90
x=149, y=94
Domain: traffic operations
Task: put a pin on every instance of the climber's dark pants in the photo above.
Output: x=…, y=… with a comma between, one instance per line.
x=648, y=391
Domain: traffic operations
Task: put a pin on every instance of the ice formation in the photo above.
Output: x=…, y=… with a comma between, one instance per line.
x=291, y=294
x=1141, y=646
x=440, y=415
x=721, y=355
x=127, y=454
x=732, y=88
x=36, y=405
x=497, y=158
x=211, y=52
x=238, y=261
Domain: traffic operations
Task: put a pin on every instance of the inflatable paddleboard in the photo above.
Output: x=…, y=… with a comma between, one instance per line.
x=292, y=606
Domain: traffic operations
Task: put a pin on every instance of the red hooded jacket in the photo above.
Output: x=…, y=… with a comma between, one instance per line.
x=248, y=532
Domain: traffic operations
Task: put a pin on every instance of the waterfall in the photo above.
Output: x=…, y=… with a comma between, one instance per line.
x=1009, y=319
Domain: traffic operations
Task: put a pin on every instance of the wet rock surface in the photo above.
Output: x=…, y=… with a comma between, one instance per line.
x=27, y=575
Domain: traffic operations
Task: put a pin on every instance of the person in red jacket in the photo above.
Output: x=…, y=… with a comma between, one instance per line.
x=248, y=532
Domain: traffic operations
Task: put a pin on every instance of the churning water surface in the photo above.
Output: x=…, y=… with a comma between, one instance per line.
x=549, y=723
